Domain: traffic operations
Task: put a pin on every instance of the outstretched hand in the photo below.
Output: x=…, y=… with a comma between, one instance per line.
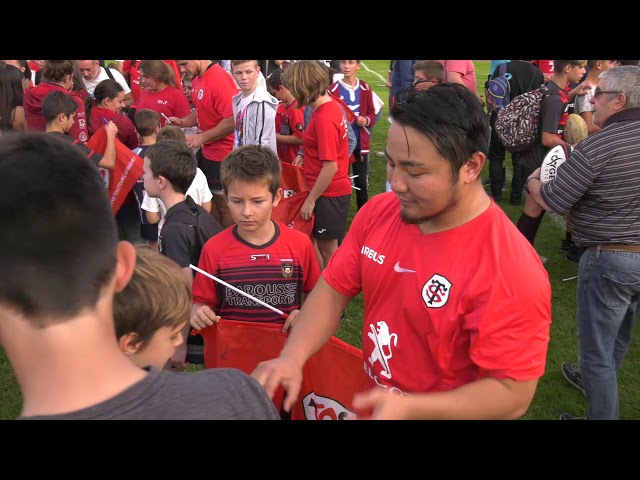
x=280, y=371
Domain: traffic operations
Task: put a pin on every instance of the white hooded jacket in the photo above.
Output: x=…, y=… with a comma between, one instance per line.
x=259, y=120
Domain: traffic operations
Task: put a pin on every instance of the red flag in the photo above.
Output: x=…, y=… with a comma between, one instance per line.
x=125, y=174
x=294, y=193
x=331, y=377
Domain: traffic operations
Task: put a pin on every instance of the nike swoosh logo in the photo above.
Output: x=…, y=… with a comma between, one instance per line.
x=322, y=231
x=399, y=269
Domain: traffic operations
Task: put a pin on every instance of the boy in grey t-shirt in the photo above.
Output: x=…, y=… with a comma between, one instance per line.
x=62, y=263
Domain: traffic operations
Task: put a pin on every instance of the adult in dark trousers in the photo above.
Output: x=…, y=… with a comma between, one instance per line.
x=525, y=76
x=600, y=184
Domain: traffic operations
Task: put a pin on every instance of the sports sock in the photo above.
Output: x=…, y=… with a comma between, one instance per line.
x=528, y=226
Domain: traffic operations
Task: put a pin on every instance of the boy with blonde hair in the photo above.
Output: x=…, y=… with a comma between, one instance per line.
x=152, y=310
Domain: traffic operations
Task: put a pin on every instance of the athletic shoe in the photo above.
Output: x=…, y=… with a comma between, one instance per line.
x=571, y=372
x=568, y=416
x=543, y=260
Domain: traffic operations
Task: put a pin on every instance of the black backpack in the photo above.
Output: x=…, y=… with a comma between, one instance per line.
x=197, y=217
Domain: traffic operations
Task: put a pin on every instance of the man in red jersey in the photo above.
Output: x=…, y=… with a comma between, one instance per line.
x=450, y=329
x=212, y=90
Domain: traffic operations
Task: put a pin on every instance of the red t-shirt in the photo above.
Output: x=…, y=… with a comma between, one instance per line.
x=126, y=129
x=289, y=121
x=448, y=308
x=545, y=66
x=276, y=273
x=211, y=97
x=170, y=101
x=326, y=140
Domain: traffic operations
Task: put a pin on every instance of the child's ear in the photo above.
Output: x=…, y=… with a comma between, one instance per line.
x=129, y=344
x=62, y=118
x=277, y=197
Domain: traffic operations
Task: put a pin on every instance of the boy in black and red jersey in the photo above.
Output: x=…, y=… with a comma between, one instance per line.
x=267, y=259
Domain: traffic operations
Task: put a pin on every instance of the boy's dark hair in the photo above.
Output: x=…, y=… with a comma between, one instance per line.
x=146, y=121
x=56, y=102
x=173, y=160
x=274, y=81
x=450, y=116
x=558, y=65
x=171, y=132
x=157, y=296
x=251, y=164
x=58, y=240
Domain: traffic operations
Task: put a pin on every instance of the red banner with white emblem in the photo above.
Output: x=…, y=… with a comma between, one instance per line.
x=331, y=377
x=125, y=174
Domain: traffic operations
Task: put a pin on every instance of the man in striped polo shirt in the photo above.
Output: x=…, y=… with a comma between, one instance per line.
x=600, y=184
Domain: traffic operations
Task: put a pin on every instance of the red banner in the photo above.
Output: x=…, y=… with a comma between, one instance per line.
x=125, y=174
x=330, y=378
x=294, y=194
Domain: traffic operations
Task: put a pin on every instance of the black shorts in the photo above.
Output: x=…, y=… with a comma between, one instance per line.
x=331, y=215
x=211, y=170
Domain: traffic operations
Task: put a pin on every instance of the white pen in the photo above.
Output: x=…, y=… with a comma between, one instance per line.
x=165, y=117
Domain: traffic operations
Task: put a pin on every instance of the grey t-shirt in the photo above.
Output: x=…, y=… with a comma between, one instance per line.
x=210, y=394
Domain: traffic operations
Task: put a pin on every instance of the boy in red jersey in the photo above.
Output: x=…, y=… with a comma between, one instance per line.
x=264, y=258
x=450, y=330
x=213, y=89
x=289, y=118
x=326, y=154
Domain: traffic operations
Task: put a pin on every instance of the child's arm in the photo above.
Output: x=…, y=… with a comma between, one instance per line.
x=109, y=157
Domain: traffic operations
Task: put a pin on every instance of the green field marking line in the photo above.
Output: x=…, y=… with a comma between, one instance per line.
x=373, y=72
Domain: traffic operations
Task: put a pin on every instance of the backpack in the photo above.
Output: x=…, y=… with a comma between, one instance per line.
x=518, y=122
x=498, y=89
x=204, y=224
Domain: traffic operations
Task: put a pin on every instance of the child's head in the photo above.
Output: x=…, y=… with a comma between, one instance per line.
x=168, y=164
x=58, y=107
x=246, y=73
x=109, y=94
x=147, y=122
x=151, y=311
x=307, y=80
x=427, y=74
x=277, y=89
x=349, y=68
x=250, y=176
x=171, y=132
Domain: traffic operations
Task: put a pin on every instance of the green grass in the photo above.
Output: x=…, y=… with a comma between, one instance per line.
x=554, y=395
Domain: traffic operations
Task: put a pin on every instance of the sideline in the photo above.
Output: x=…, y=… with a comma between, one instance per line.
x=373, y=72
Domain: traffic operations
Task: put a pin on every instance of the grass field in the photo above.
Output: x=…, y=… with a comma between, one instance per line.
x=554, y=395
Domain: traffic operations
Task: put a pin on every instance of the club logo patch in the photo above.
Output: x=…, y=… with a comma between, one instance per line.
x=286, y=265
x=200, y=94
x=299, y=127
x=435, y=293
x=317, y=407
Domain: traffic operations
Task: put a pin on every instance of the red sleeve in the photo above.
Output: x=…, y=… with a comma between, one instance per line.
x=79, y=130
x=126, y=66
x=181, y=105
x=296, y=121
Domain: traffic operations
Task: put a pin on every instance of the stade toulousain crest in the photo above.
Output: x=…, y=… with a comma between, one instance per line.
x=317, y=407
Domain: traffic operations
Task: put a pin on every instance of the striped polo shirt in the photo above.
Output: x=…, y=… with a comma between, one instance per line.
x=600, y=183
